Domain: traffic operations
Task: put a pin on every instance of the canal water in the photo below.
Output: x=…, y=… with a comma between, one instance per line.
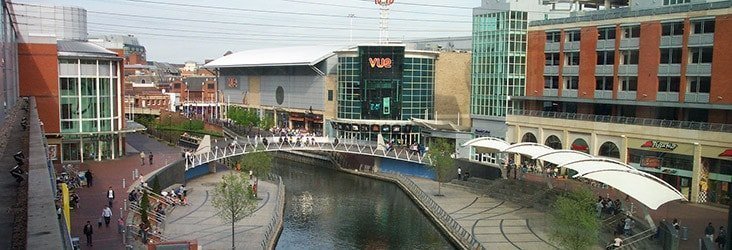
x=327, y=209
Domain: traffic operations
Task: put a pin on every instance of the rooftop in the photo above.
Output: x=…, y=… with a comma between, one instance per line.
x=83, y=49
x=281, y=56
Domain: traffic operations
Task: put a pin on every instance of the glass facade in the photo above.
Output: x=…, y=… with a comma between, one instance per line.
x=418, y=88
x=88, y=109
x=349, y=88
x=9, y=56
x=499, y=61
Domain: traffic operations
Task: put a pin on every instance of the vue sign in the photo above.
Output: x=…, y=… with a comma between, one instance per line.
x=380, y=62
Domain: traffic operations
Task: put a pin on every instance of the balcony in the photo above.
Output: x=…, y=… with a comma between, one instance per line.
x=569, y=93
x=603, y=94
x=697, y=97
x=551, y=92
x=628, y=70
x=606, y=44
x=570, y=70
x=627, y=95
x=669, y=69
x=551, y=70
x=704, y=126
x=699, y=69
x=667, y=97
x=571, y=46
x=629, y=43
x=551, y=47
x=671, y=41
x=701, y=39
x=605, y=70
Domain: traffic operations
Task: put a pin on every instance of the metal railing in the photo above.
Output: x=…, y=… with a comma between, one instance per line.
x=703, y=126
x=277, y=219
x=466, y=237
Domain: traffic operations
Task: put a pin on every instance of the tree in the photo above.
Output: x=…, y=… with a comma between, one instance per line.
x=243, y=117
x=259, y=162
x=144, y=206
x=573, y=221
x=441, y=151
x=233, y=199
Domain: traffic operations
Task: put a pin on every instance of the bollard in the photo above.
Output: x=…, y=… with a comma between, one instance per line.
x=124, y=205
x=124, y=183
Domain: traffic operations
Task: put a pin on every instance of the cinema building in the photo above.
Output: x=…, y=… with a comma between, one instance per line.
x=648, y=85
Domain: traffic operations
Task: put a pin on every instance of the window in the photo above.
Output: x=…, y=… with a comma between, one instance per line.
x=672, y=2
x=606, y=33
x=629, y=57
x=571, y=82
x=552, y=59
x=700, y=54
x=670, y=55
x=176, y=86
x=699, y=84
x=330, y=95
x=572, y=58
x=603, y=83
x=629, y=83
x=668, y=83
x=69, y=87
x=606, y=57
x=702, y=26
x=573, y=35
x=672, y=29
x=210, y=86
x=551, y=82
x=631, y=31
x=553, y=37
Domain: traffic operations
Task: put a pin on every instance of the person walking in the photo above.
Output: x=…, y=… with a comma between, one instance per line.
x=110, y=195
x=88, y=231
x=721, y=238
x=88, y=176
x=107, y=215
x=151, y=158
x=709, y=231
x=460, y=174
x=142, y=158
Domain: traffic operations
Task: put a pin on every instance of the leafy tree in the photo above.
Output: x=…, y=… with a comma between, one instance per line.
x=573, y=221
x=156, y=185
x=440, y=153
x=259, y=162
x=144, y=206
x=233, y=199
x=267, y=122
x=243, y=116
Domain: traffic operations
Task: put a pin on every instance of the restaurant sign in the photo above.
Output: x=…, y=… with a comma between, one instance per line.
x=660, y=145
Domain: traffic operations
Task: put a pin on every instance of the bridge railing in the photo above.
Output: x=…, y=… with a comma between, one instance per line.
x=275, y=223
x=466, y=237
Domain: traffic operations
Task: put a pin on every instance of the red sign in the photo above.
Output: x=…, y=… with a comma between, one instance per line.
x=660, y=145
x=382, y=63
x=726, y=153
x=388, y=2
x=651, y=162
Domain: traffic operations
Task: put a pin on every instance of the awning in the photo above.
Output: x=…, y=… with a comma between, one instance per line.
x=561, y=157
x=529, y=148
x=645, y=188
x=490, y=143
x=595, y=164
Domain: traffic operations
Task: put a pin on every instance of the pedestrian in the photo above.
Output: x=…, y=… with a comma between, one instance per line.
x=107, y=215
x=142, y=157
x=460, y=173
x=120, y=225
x=508, y=171
x=709, y=231
x=151, y=158
x=88, y=176
x=626, y=227
x=88, y=231
x=617, y=242
x=675, y=223
x=721, y=238
x=110, y=195
x=143, y=232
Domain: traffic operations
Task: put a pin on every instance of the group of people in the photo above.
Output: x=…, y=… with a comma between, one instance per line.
x=149, y=158
x=720, y=239
x=608, y=206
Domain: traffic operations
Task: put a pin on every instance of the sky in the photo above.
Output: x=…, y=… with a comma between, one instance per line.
x=185, y=30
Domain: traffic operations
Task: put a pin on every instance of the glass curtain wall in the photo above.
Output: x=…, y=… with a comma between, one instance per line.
x=418, y=88
x=349, y=88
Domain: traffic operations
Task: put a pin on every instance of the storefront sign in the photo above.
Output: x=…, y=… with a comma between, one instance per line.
x=726, y=153
x=231, y=82
x=380, y=62
x=659, y=145
x=650, y=162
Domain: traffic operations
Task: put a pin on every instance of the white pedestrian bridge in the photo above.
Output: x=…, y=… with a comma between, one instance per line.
x=209, y=151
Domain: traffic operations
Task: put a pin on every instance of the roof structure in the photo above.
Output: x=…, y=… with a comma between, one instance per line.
x=72, y=48
x=436, y=124
x=645, y=188
x=282, y=56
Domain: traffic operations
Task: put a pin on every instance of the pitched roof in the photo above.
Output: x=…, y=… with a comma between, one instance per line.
x=282, y=56
x=83, y=49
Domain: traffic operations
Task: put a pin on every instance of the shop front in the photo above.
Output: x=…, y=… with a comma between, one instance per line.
x=79, y=148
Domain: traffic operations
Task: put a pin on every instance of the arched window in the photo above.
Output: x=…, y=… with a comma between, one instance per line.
x=580, y=145
x=553, y=142
x=528, y=137
x=142, y=81
x=609, y=149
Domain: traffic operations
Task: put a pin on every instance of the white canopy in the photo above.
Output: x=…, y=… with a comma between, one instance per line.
x=529, y=148
x=561, y=157
x=488, y=143
x=596, y=164
x=643, y=187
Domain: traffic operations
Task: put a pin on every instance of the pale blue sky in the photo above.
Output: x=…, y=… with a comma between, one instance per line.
x=174, y=33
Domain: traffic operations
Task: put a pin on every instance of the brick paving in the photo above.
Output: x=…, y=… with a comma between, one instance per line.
x=110, y=173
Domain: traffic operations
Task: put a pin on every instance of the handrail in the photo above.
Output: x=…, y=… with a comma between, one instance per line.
x=704, y=126
x=640, y=237
x=270, y=233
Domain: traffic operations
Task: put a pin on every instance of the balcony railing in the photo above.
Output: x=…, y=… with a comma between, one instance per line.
x=704, y=126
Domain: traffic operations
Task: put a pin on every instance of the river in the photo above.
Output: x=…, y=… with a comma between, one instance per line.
x=328, y=209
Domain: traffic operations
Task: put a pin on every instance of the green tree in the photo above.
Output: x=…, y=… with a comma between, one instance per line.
x=441, y=151
x=243, y=117
x=260, y=163
x=144, y=206
x=267, y=122
x=233, y=199
x=573, y=221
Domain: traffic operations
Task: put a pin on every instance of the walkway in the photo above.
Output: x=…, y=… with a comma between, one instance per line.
x=110, y=173
x=198, y=221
